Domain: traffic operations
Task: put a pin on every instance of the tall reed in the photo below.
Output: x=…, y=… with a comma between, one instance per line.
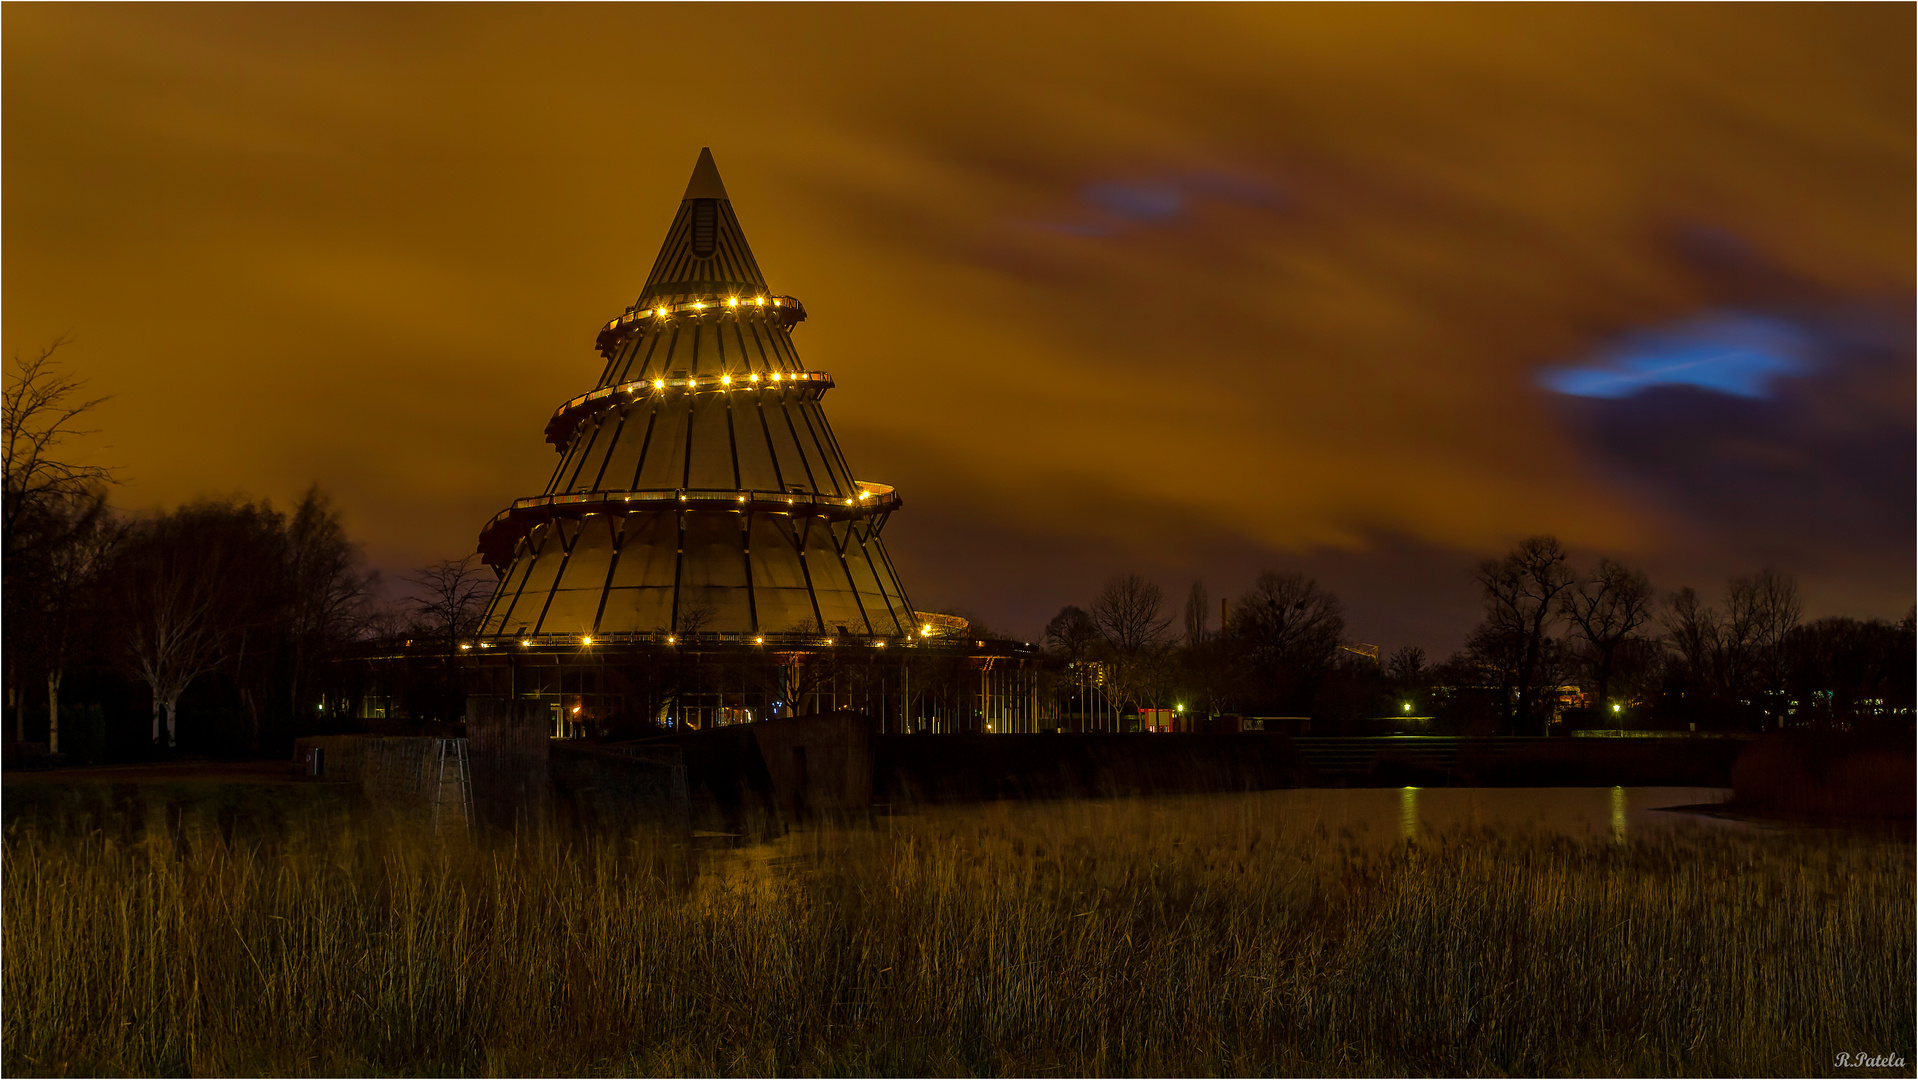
x=1179, y=936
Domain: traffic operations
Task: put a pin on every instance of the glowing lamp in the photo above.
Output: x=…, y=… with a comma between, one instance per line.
x=585, y=641
x=464, y=645
x=755, y=376
x=669, y=639
x=1408, y=706
x=732, y=301
x=523, y=643
x=725, y=380
x=775, y=376
x=697, y=306
x=1615, y=708
x=760, y=300
x=659, y=384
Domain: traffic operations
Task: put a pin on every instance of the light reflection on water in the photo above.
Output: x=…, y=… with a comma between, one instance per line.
x=1410, y=812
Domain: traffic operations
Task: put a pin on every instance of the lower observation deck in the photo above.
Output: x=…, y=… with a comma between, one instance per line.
x=502, y=534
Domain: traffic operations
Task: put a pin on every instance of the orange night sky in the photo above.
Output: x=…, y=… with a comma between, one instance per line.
x=1190, y=290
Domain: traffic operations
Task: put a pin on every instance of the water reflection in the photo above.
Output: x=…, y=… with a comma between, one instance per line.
x=1393, y=815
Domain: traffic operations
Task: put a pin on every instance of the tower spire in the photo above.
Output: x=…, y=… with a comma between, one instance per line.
x=705, y=183
x=705, y=253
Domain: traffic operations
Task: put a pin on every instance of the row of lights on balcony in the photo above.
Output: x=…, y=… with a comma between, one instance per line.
x=671, y=639
x=726, y=381
x=664, y=310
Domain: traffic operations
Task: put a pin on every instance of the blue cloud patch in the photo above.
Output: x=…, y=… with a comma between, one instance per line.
x=1734, y=353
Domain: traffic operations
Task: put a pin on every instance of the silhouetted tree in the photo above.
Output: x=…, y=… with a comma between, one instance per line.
x=1073, y=635
x=1130, y=614
x=448, y=599
x=177, y=578
x=1605, y=610
x=1286, y=632
x=329, y=592
x=1405, y=673
x=1760, y=612
x=1521, y=602
x=52, y=514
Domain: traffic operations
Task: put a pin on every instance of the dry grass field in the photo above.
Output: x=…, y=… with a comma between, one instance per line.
x=1171, y=936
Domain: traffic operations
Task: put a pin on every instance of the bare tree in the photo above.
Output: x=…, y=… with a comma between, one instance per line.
x=1521, y=601
x=1130, y=613
x=1406, y=666
x=694, y=618
x=174, y=595
x=1073, y=635
x=39, y=410
x=329, y=595
x=1691, y=628
x=449, y=597
x=49, y=514
x=72, y=571
x=1761, y=611
x=1288, y=631
x=1605, y=610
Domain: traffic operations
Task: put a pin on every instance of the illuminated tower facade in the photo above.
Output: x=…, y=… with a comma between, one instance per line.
x=700, y=494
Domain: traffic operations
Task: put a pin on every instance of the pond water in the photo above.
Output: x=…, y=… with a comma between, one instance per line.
x=1394, y=814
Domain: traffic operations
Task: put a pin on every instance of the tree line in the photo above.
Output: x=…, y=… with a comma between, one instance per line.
x=230, y=603
x=239, y=615
x=1591, y=647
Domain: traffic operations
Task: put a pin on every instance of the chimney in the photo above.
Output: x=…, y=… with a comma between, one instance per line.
x=1224, y=619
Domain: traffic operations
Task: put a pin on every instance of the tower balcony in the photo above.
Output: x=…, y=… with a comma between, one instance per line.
x=804, y=385
x=502, y=534
x=785, y=312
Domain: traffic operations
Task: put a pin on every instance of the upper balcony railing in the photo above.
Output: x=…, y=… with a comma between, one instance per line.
x=566, y=418
x=786, y=311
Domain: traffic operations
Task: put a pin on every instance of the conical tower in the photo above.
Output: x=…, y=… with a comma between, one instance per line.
x=699, y=491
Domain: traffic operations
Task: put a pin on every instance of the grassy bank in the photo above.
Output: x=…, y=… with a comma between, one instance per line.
x=1177, y=936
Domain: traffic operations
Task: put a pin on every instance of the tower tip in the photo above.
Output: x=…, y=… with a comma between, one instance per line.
x=705, y=183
